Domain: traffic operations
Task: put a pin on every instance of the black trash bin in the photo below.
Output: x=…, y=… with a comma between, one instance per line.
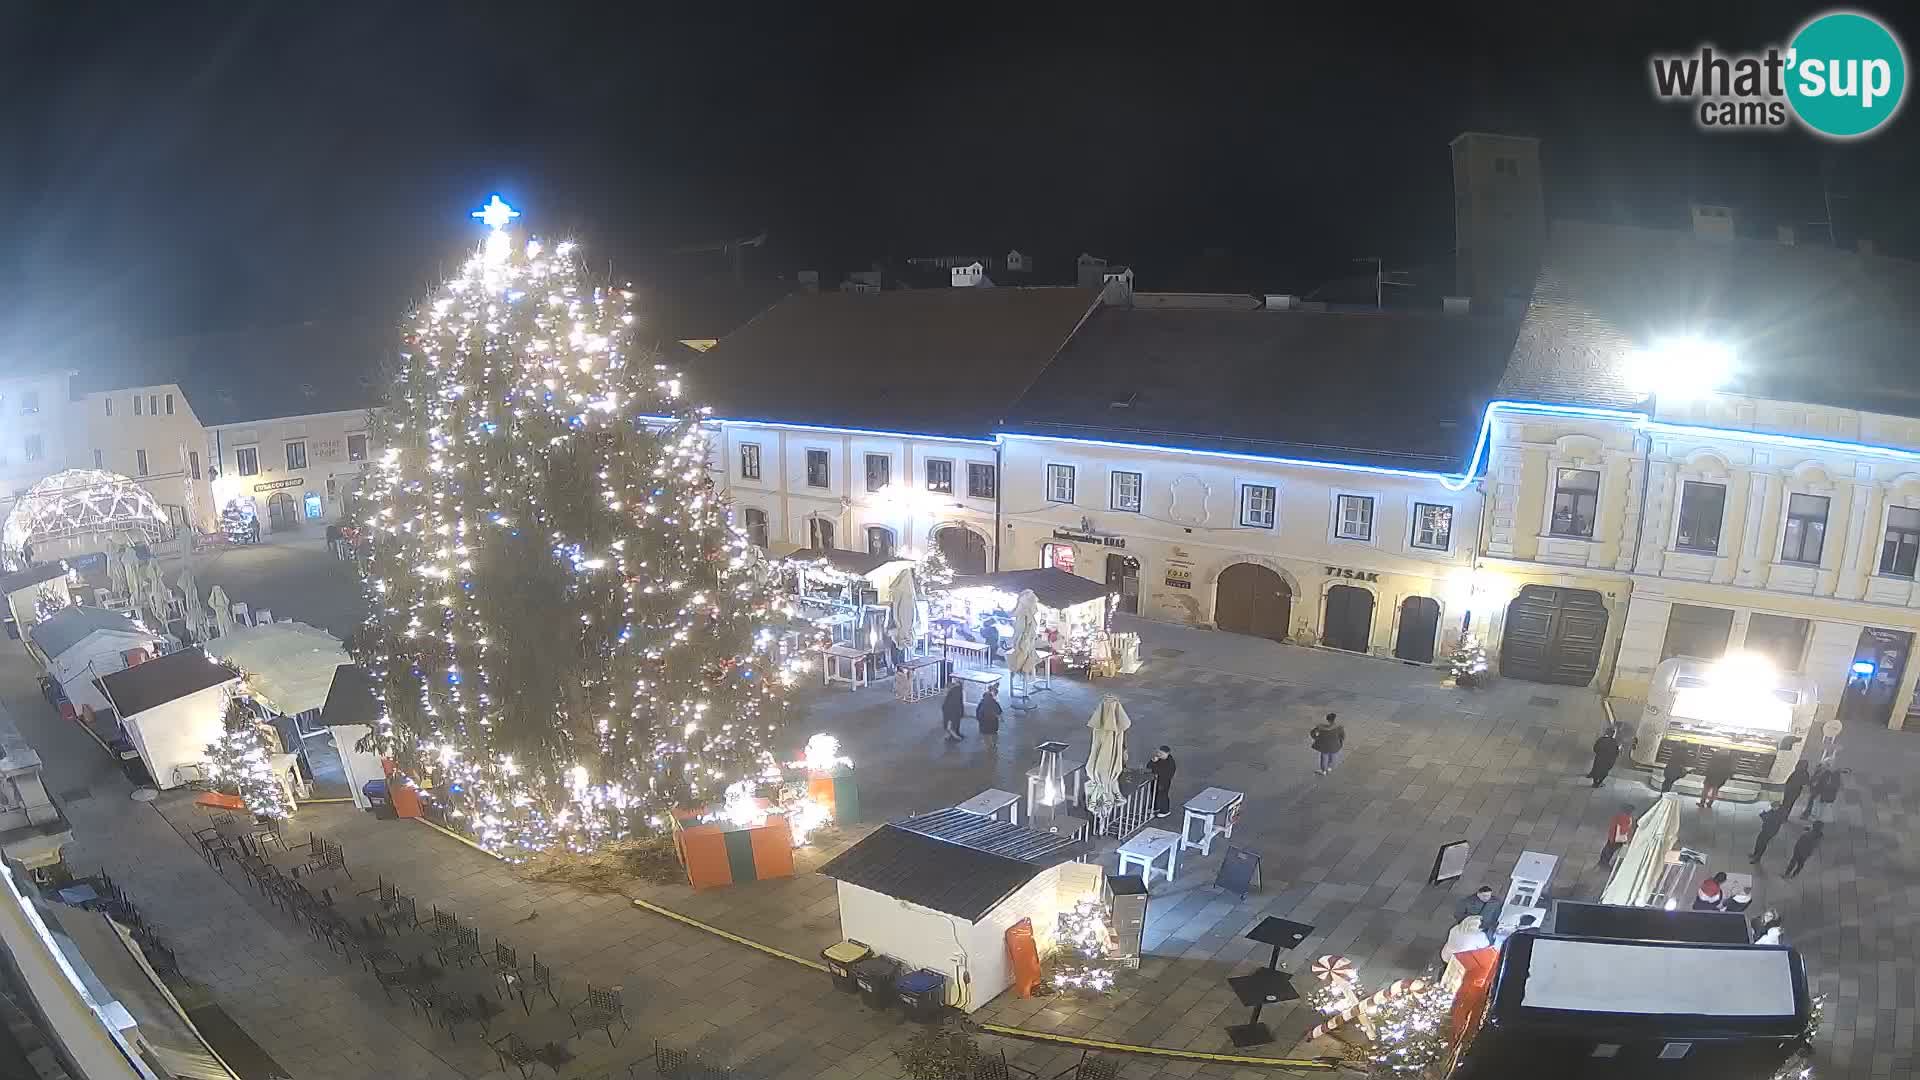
x=841, y=958
x=877, y=976
x=376, y=793
x=923, y=994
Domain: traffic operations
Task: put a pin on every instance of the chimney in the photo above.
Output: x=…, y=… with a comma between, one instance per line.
x=809, y=280
x=1712, y=222
x=1456, y=305
x=1089, y=270
x=1281, y=301
x=1785, y=234
x=1116, y=289
x=1865, y=244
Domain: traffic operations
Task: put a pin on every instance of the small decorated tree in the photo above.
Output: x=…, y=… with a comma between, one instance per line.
x=236, y=521
x=1412, y=1034
x=241, y=761
x=1467, y=664
x=1084, y=947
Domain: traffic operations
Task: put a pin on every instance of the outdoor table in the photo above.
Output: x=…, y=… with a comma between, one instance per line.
x=991, y=802
x=918, y=678
x=978, y=681
x=1215, y=810
x=1043, y=671
x=974, y=652
x=843, y=663
x=1144, y=850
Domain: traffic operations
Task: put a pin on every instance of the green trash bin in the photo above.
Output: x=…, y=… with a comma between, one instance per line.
x=840, y=958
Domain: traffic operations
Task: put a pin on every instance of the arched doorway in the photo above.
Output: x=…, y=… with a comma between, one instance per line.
x=1251, y=599
x=281, y=513
x=966, y=552
x=1419, y=621
x=1349, y=621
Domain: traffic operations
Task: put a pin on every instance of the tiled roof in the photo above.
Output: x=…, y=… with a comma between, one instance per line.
x=158, y=681
x=1393, y=389
x=1806, y=323
x=931, y=362
x=951, y=861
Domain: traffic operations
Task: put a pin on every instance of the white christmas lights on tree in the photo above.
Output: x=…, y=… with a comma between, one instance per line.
x=565, y=633
x=242, y=759
x=1085, y=939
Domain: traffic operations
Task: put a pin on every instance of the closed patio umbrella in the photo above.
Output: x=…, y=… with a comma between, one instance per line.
x=906, y=610
x=159, y=598
x=1108, y=756
x=1636, y=873
x=1023, y=653
x=196, y=611
x=222, y=610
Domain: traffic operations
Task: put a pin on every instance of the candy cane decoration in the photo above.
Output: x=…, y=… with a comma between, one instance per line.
x=1334, y=970
x=1362, y=1011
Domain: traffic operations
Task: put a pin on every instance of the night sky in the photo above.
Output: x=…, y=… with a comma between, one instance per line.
x=172, y=171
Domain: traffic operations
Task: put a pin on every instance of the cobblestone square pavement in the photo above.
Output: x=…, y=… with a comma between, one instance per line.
x=1349, y=853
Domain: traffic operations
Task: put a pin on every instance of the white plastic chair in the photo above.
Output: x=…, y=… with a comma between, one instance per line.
x=241, y=615
x=263, y=617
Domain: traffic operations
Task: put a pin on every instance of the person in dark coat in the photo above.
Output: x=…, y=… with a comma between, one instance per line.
x=1826, y=789
x=1483, y=903
x=1676, y=768
x=1606, y=751
x=1328, y=738
x=1795, y=784
x=1162, y=765
x=987, y=715
x=1719, y=771
x=952, y=708
x=1804, y=848
x=1770, y=821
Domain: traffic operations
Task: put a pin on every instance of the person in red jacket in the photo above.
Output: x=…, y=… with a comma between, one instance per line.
x=1619, y=831
x=1711, y=896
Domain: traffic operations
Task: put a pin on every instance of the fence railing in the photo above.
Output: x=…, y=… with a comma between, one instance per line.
x=1130, y=814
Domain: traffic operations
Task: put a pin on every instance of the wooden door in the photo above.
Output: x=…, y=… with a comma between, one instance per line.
x=1349, y=619
x=1419, y=622
x=1554, y=635
x=1251, y=599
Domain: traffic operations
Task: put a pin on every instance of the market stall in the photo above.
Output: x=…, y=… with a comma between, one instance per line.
x=941, y=891
x=289, y=669
x=1071, y=611
x=846, y=593
x=350, y=713
x=1738, y=703
x=22, y=589
x=171, y=708
x=79, y=644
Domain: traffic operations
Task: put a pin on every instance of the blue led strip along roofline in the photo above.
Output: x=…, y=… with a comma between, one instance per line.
x=822, y=427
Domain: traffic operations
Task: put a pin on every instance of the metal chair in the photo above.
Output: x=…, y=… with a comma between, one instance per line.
x=456, y=1010
x=505, y=969
x=538, y=977
x=404, y=914
x=463, y=946
x=1091, y=1066
x=996, y=1067
x=513, y=1050
x=599, y=1009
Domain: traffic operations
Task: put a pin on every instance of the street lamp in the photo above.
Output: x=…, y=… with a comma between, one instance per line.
x=1678, y=368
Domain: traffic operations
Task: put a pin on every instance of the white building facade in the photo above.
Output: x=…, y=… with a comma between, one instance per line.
x=297, y=471
x=151, y=435
x=34, y=431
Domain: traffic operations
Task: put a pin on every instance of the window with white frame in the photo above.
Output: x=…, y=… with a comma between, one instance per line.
x=940, y=475
x=1353, y=517
x=1060, y=483
x=169, y=404
x=819, y=470
x=880, y=541
x=246, y=459
x=99, y=461
x=749, y=461
x=1701, y=508
x=136, y=404
x=756, y=526
x=140, y=462
x=1806, y=534
x=35, y=448
x=1257, y=503
x=879, y=472
x=982, y=481
x=109, y=404
x=357, y=447
x=1901, y=547
x=153, y=404
x=1126, y=492
x=1576, y=499
x=1432, y=526
x=297, y=454
x=193, y=463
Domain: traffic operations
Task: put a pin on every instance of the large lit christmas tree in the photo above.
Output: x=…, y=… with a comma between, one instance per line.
x=565, y=632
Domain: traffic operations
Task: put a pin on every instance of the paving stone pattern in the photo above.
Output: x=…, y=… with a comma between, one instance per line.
x=1349, y=853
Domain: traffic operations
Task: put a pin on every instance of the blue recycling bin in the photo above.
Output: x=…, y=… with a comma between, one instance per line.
x=376, y=793
x=923, y=994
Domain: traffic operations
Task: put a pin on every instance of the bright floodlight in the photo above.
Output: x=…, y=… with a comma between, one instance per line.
x=1680, y=367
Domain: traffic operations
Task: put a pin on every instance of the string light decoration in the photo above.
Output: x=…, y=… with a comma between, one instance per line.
x=566, y=636
x=236, y=521
x=46, y=604
x=933, y=573
x=1412, y=1034
x=1468, y=662
x=1084, y=941
x=241, y=759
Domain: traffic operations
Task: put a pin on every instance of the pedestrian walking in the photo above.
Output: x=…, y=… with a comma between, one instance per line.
x=1804, y=848
x=1796, y=783
x=1825, y=791
x=1814, y=783
x=987, y=715
x=1162, y=765
x=1606, y=751
x=952, y=708
x=1770, y=821
x=1484, y=904
x=1676, y=768
x=1619, y=831
x=1328, y=737
x=1712, y=896
x=1718, y=772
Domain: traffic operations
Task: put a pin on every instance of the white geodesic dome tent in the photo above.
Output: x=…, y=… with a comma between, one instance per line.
x=82, y=502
